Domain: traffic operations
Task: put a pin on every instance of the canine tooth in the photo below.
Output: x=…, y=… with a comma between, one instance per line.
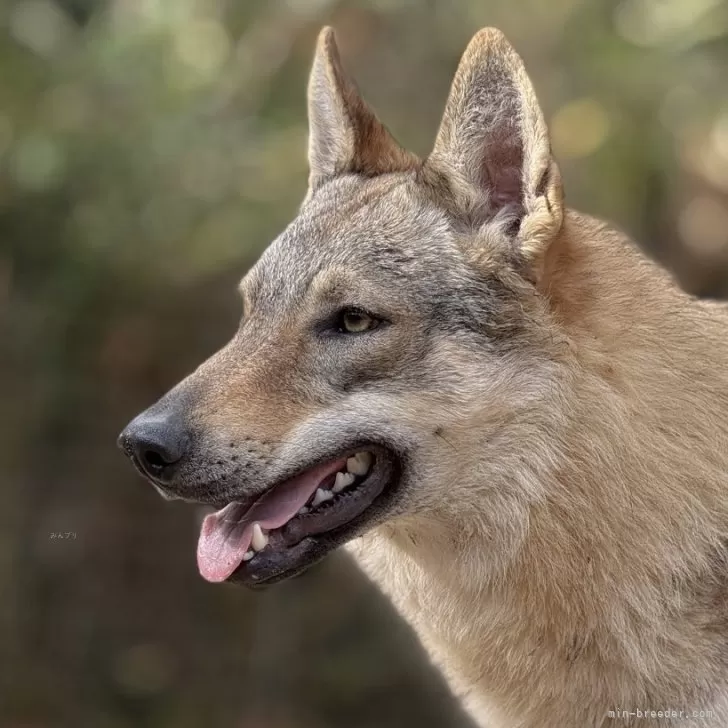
x=343, y=480
x=260, y=539
x=360, y=463
x=248, y=555
x=321, y=496
x=303, y=510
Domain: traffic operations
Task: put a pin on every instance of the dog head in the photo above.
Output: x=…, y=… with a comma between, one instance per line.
x=389, y=334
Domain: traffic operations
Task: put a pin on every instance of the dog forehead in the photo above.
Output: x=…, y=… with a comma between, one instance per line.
x=369, y=227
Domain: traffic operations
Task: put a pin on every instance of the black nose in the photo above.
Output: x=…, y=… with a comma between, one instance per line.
x=156, y=445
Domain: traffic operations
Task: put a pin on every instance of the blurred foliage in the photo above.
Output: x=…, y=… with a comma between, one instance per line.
x=149, y=150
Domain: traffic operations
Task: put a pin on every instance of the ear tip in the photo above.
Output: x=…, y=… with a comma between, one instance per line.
x=490, y=35
x=327, y=38
x=327, y=52
x=490, y=40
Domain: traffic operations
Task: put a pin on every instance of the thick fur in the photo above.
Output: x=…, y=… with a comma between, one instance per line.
x=577, y=561
x=559, y=540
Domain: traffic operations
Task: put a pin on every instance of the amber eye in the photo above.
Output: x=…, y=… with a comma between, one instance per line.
x=356, y=322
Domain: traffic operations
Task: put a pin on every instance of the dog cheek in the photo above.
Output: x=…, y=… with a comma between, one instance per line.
x=390, y=358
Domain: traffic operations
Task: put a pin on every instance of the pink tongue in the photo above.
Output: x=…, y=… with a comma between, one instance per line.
x=226, y=535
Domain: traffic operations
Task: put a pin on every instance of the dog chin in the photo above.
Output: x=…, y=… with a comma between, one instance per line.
x=297, y=522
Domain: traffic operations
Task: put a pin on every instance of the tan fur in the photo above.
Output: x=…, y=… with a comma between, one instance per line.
x=273, y=405
x=614, y=593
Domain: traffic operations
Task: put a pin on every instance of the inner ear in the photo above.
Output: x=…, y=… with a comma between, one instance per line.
x=502, y=168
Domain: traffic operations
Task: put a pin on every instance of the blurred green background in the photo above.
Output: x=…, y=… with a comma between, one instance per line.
x=149, y=150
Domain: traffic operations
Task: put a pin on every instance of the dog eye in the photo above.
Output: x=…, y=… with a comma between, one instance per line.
x=356, y=322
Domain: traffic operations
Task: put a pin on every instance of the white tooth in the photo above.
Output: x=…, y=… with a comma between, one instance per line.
x=360, y=463
x=248, y=555
x=260, y=539
x=303, y=510
x=343, y=480
x=321, y=496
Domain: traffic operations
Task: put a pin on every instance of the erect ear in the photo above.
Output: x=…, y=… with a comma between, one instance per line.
x=493, y=146
x=344, y=134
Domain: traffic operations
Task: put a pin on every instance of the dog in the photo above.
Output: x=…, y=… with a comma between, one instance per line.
x=514, y=420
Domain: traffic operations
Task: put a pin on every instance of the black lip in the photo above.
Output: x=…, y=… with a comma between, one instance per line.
x=295, y=551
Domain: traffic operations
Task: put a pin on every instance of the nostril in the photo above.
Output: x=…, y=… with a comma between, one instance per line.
x=155, y=460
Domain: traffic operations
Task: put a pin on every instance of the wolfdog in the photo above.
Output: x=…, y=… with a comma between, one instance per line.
x=514, y=419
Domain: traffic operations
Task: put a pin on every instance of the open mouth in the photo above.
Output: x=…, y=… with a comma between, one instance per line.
x=295, y=523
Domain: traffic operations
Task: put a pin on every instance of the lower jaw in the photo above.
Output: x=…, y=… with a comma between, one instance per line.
x=274, y=565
